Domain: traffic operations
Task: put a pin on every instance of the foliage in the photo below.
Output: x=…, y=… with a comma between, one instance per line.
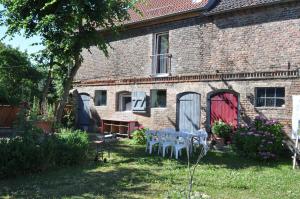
x=263, y=139
x=35, y=112
x=132, y=173
x=19, y=80
x=222, y=129
x=73, y=146
x=66, y=28
x=139, y=136
x=69, y=118
x=33, y=151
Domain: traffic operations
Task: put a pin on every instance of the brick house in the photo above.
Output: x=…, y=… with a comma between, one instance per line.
x=187, y=63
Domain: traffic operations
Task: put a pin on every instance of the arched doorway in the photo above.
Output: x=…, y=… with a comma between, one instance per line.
x=188, y=111
x=84, y=111
x=223, y=105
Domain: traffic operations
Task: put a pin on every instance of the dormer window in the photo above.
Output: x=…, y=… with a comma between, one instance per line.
x=161, y=58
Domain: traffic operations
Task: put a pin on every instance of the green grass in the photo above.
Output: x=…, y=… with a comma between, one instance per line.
x=131, y=173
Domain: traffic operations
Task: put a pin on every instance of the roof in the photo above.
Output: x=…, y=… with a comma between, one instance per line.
x=228, y=5
x=153, y=9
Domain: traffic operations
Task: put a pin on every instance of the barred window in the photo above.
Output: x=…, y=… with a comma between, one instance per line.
x=270, y=97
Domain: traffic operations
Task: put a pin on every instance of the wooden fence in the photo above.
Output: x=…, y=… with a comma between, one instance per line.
x=8, y=115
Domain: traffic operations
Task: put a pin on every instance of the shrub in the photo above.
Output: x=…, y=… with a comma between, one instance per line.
x=221, y=129
x=139, y=136
x=33, y=151
x=73, y=146
x=263, y=139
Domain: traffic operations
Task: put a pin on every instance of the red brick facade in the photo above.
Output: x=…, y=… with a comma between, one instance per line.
x=237, y=50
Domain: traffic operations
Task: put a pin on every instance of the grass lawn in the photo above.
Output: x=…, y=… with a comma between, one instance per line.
x=130, y=173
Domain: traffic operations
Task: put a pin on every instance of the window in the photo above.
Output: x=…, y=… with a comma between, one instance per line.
x=270, y=97
x=100, y=98
x=158, y=98
x=125, y=101
x=161, y=58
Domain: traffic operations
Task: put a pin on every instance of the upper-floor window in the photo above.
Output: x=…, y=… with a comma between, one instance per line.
x=161, y=57
x=100, y=98
x=270, y=97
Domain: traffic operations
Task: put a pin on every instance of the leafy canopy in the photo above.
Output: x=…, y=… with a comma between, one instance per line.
x=66, y=26
x=18, y=78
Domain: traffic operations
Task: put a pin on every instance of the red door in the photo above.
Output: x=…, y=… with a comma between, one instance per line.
x=224, y=106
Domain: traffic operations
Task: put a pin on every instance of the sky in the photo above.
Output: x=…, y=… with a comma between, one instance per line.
x=20, y=42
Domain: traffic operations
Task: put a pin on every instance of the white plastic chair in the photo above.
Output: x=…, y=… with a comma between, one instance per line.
x=201, y=139
x=166, y=139
x=151, y=140
x=181, y=143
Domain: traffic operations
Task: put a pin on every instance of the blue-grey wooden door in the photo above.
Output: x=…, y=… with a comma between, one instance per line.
x=84, y=111
x=189, y=112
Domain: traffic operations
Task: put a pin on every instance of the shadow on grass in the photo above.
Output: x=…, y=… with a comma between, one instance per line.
x=129, y=173
x=229, y=159
x=80, y=182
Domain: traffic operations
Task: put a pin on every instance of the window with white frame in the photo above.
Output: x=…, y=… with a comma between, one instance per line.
x=100, y=98
x=161, y=57
x=270, y=97
x=124, y=101
x=158, y=98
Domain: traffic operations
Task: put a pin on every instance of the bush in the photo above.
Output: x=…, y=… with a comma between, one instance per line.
x=33, y=152
x=139, y=136
x=73, y=146
x=221, y=129
x=263, y=139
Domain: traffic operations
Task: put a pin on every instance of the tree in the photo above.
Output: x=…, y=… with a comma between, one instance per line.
x=66, y=28
x=19, y=80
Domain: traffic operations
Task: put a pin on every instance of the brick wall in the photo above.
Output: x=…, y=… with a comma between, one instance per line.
x=166, y=117
x=256, y=39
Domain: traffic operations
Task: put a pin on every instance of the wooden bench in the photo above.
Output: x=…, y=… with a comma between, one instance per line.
x=119, y=127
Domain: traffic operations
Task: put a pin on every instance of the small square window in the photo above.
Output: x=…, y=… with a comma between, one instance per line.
x=100, y=98
x=158, y=98
x=270, y=97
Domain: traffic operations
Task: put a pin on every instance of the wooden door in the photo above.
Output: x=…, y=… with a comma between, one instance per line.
x=224, y=106
x=84, y=111
x=189, y=112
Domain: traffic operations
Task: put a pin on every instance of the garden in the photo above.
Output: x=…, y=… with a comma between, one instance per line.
x=62, y=165
x=132, y=173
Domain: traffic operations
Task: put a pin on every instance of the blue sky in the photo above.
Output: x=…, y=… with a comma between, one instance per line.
x=20, y=42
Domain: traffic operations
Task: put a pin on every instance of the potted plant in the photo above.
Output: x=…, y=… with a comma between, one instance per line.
x=221, y=132
x=44, y=120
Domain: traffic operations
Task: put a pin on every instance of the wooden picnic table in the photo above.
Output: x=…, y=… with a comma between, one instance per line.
x=119, y=127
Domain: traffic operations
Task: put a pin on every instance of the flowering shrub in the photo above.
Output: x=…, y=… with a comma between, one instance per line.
x=139, y=136
x=263, y=139
x=222, y=129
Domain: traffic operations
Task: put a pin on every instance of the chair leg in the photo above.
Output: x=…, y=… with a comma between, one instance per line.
x=164, y=151
x=150, y=149
x=176, y=155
